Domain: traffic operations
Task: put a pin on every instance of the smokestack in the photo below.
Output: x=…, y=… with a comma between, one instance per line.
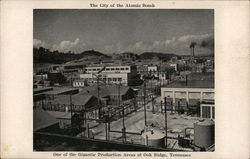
x=192, y=46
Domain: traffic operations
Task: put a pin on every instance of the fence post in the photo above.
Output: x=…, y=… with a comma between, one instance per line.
x=146, y=140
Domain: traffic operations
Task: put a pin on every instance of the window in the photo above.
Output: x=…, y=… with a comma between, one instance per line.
x=206, y=112
x=208, y=95
x=126, y=68
x=114, y=79
x=213, y=114
x=119, y=79
x=108, y=69
x=112, y=69
x=122, y=68
x=117, y=69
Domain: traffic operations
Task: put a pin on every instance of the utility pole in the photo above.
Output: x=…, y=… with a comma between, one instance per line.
x=166, y=122
x=144, y=102
x=123, y=115
x=123, y=123
x=109, y=117
x=119, y=94
x=98, y=95
x=71, y=108
x=152, y=100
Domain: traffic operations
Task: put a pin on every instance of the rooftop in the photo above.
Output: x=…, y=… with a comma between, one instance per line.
x=57, y=114
x=78, y=99
x=43, y=119
x=107, y=65
x=41, y=90
x=61, y=90
x=105, y=90
x=196, y=80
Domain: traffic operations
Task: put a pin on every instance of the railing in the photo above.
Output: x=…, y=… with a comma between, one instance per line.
x=45, y=140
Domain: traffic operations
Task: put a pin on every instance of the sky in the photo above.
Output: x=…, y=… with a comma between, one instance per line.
x=128, y=30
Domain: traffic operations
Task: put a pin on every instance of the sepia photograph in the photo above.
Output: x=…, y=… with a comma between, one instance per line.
x=123, y=80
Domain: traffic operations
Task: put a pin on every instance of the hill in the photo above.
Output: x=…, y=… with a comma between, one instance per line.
x=152, y=55
x=93, y=53
x=43, y=55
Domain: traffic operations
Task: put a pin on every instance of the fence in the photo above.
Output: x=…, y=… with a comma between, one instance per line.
x=178, y=107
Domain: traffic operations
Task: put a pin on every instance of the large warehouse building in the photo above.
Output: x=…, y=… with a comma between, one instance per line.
x=124, y=75
x=195, y=89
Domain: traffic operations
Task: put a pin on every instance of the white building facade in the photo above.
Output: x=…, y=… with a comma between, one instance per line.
x=152, y=68
x=110, y=74
x=189, y=95
x=78, y=83
x=207, y=110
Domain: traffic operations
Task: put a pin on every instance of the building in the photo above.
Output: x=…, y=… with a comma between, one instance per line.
x=72, y=70
x=109, y=95
x=56, y=77
x=174, y=65
x=54, y=69
x=68, y=68
x=207, y=109
x=152, y=68
x=79, y=83
x=195, y=89
x=80, y=103
x=115, y=74
x=42, y=96
x=40, y=76
x=129, y=56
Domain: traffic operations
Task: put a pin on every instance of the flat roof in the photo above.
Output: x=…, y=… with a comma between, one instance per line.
x=196, y=80
x=78, y=99
x=41, y=90
x=61, y=90
x=57, y=114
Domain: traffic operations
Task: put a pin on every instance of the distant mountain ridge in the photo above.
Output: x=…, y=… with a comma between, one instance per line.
x=43, y=55
x=151, y=55
x=94, y=53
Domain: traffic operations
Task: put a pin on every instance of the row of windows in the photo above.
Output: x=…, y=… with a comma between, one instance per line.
x=108, y=69
x=105, y=79
x=205, y=95
x=206, y=112
x=79, y=83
